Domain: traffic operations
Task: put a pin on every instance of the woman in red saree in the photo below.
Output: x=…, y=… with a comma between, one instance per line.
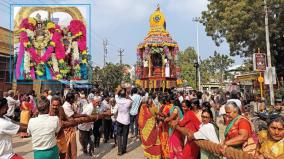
x=149, y=131
x=164, y=127
x=191, y=123
x=239, y=130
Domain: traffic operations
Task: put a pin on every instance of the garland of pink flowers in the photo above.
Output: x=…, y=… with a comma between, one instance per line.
x=78, y=29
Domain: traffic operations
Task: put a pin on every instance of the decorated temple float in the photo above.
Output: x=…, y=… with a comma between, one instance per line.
x=156, y=67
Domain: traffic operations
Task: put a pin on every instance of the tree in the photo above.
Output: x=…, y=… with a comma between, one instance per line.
x=246, y=67
x=241, y=24
x=186, y=64
x=110, y=76
x=216, y=66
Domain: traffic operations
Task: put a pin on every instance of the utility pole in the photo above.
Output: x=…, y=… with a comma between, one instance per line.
x=120, y=55
x=196, y=19
x=268, y=55
x=105, y=44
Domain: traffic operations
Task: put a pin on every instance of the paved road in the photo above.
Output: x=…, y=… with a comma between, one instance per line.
x=23, y=147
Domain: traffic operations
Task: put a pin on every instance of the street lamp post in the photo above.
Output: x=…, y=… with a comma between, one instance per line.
x=196, y=19
x=268, y=55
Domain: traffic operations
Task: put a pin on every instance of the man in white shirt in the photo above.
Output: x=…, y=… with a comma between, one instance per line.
x=85, y=130
x=7, y=130
x=12, y=104
x=91, y=95
x=43, y=130
x=67, y=105
x=136, y=98
x=123, y=120
x=70, y=113
x=107, y=120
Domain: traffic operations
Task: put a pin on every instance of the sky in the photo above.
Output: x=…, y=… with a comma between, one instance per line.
x=125, y=23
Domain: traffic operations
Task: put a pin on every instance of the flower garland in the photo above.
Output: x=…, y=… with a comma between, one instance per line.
x=64, y=69
x=40, y=69
x=53, y=44
x=75, y=60
x=27, y=66
x=75, y=54
x=78, y=31
x=54, y=63
x=54, y=52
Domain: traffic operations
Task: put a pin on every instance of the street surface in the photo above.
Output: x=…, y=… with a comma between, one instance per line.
x=23, y=147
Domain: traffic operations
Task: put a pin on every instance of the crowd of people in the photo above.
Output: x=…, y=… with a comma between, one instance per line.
x=166, y=123
x=181, y=118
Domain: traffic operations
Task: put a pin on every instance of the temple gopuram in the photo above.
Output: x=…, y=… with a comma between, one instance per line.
x=156, y=67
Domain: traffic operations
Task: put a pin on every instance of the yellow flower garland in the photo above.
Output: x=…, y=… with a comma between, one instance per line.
x=32, y=21
x=50, y=25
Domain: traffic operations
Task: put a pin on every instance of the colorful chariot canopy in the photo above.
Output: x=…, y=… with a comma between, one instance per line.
x=158, y=36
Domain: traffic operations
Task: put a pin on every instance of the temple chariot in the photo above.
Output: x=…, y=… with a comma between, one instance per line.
x=156, y=67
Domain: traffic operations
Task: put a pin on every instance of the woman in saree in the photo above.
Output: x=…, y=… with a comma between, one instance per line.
x=207, y=131
x=238, y=131
x=190, y=123
x=148, y=130
x=26, y=109
x=164, y=127
x=271, y=141
x=175, y=137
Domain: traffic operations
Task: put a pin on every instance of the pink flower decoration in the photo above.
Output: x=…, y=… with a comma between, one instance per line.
x=57, y=26
x=25, y=24
x=34, y=55
x=82, y=43
x=59, y=48
x=76, y=26
x=24, y=37
x=60, y=52
x=47, y=54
